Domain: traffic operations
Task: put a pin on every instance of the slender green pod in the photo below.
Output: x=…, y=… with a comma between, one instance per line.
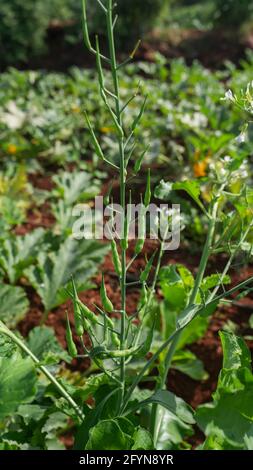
x=147, y=196
x=127, y=223
x=138, y=163
x=145, y=273
x=77, y=311
x=141, y=230
x=138, y=118
x=116, y=258
x=95, y=142
x=69, y=338
x=107, y=304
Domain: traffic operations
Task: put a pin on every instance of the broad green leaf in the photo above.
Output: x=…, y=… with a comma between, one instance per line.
x=43, y=343
x=14, y=304
x=17, y=253
x=31, y=412
x=17, y=383
x=171, y=402
x=171, y=430
x=235, y=352
x=56, y=421
x=53, y=270
x=192, y=188
x=107, y=435
x=187, y=363
x=229, y=417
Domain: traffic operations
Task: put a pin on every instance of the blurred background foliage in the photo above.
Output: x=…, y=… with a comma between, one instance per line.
x=25, y=24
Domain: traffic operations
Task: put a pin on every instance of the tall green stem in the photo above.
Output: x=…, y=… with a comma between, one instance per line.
x=155, y=424
x=122, y=187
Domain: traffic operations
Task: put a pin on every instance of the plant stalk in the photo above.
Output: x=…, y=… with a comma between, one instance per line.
x=122, y=189
x=4, y=330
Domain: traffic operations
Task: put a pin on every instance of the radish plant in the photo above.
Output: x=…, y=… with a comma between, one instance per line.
x=109, y=337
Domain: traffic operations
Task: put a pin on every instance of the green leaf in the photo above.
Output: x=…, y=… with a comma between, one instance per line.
x=171, y=430
x=14, y=304
x=17, y=383
x=235, y=352
x=31, y=412
x=192, y=188
x=17, y=253
x=55, y=422
x=43, y=343
x=142, y=440
x=229, y=417
x=171, y=402
x=214, y=280
x=107, y=435
x=187, y=363
x=53, y=271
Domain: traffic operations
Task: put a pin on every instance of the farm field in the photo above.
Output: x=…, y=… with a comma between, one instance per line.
x=115, y=341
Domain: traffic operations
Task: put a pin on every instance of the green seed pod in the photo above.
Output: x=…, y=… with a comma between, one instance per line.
x=96, y=145
x=138, y=118
x=138, y=163
x=145, y=273
x=139, y=246
x=107, y=304
x=88, y=314
x=115, y=258
x=141, y=230
x=115, y=339
x=70, y=343
x=144, y=295
x=123, y=352
x=77, y=311
x=147, y=196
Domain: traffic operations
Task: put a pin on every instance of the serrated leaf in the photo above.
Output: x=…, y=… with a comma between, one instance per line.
x=214, y=280
x=17, y=253
x=43, y=343
x=75, y=186
x=17, y=383
x=53, y=270
x=14, y=304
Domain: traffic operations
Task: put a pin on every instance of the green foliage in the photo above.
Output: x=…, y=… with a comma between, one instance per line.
x=51, y=275
x=233, y=13
x=14, y=304
x=227, y=421
x=134, y=21
x=24, y=27
x=17, y=383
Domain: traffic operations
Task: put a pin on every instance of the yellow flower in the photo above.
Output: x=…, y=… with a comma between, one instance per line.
x=106, y=130
x=76, y=109
x=12, y=149
x=199, y=168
